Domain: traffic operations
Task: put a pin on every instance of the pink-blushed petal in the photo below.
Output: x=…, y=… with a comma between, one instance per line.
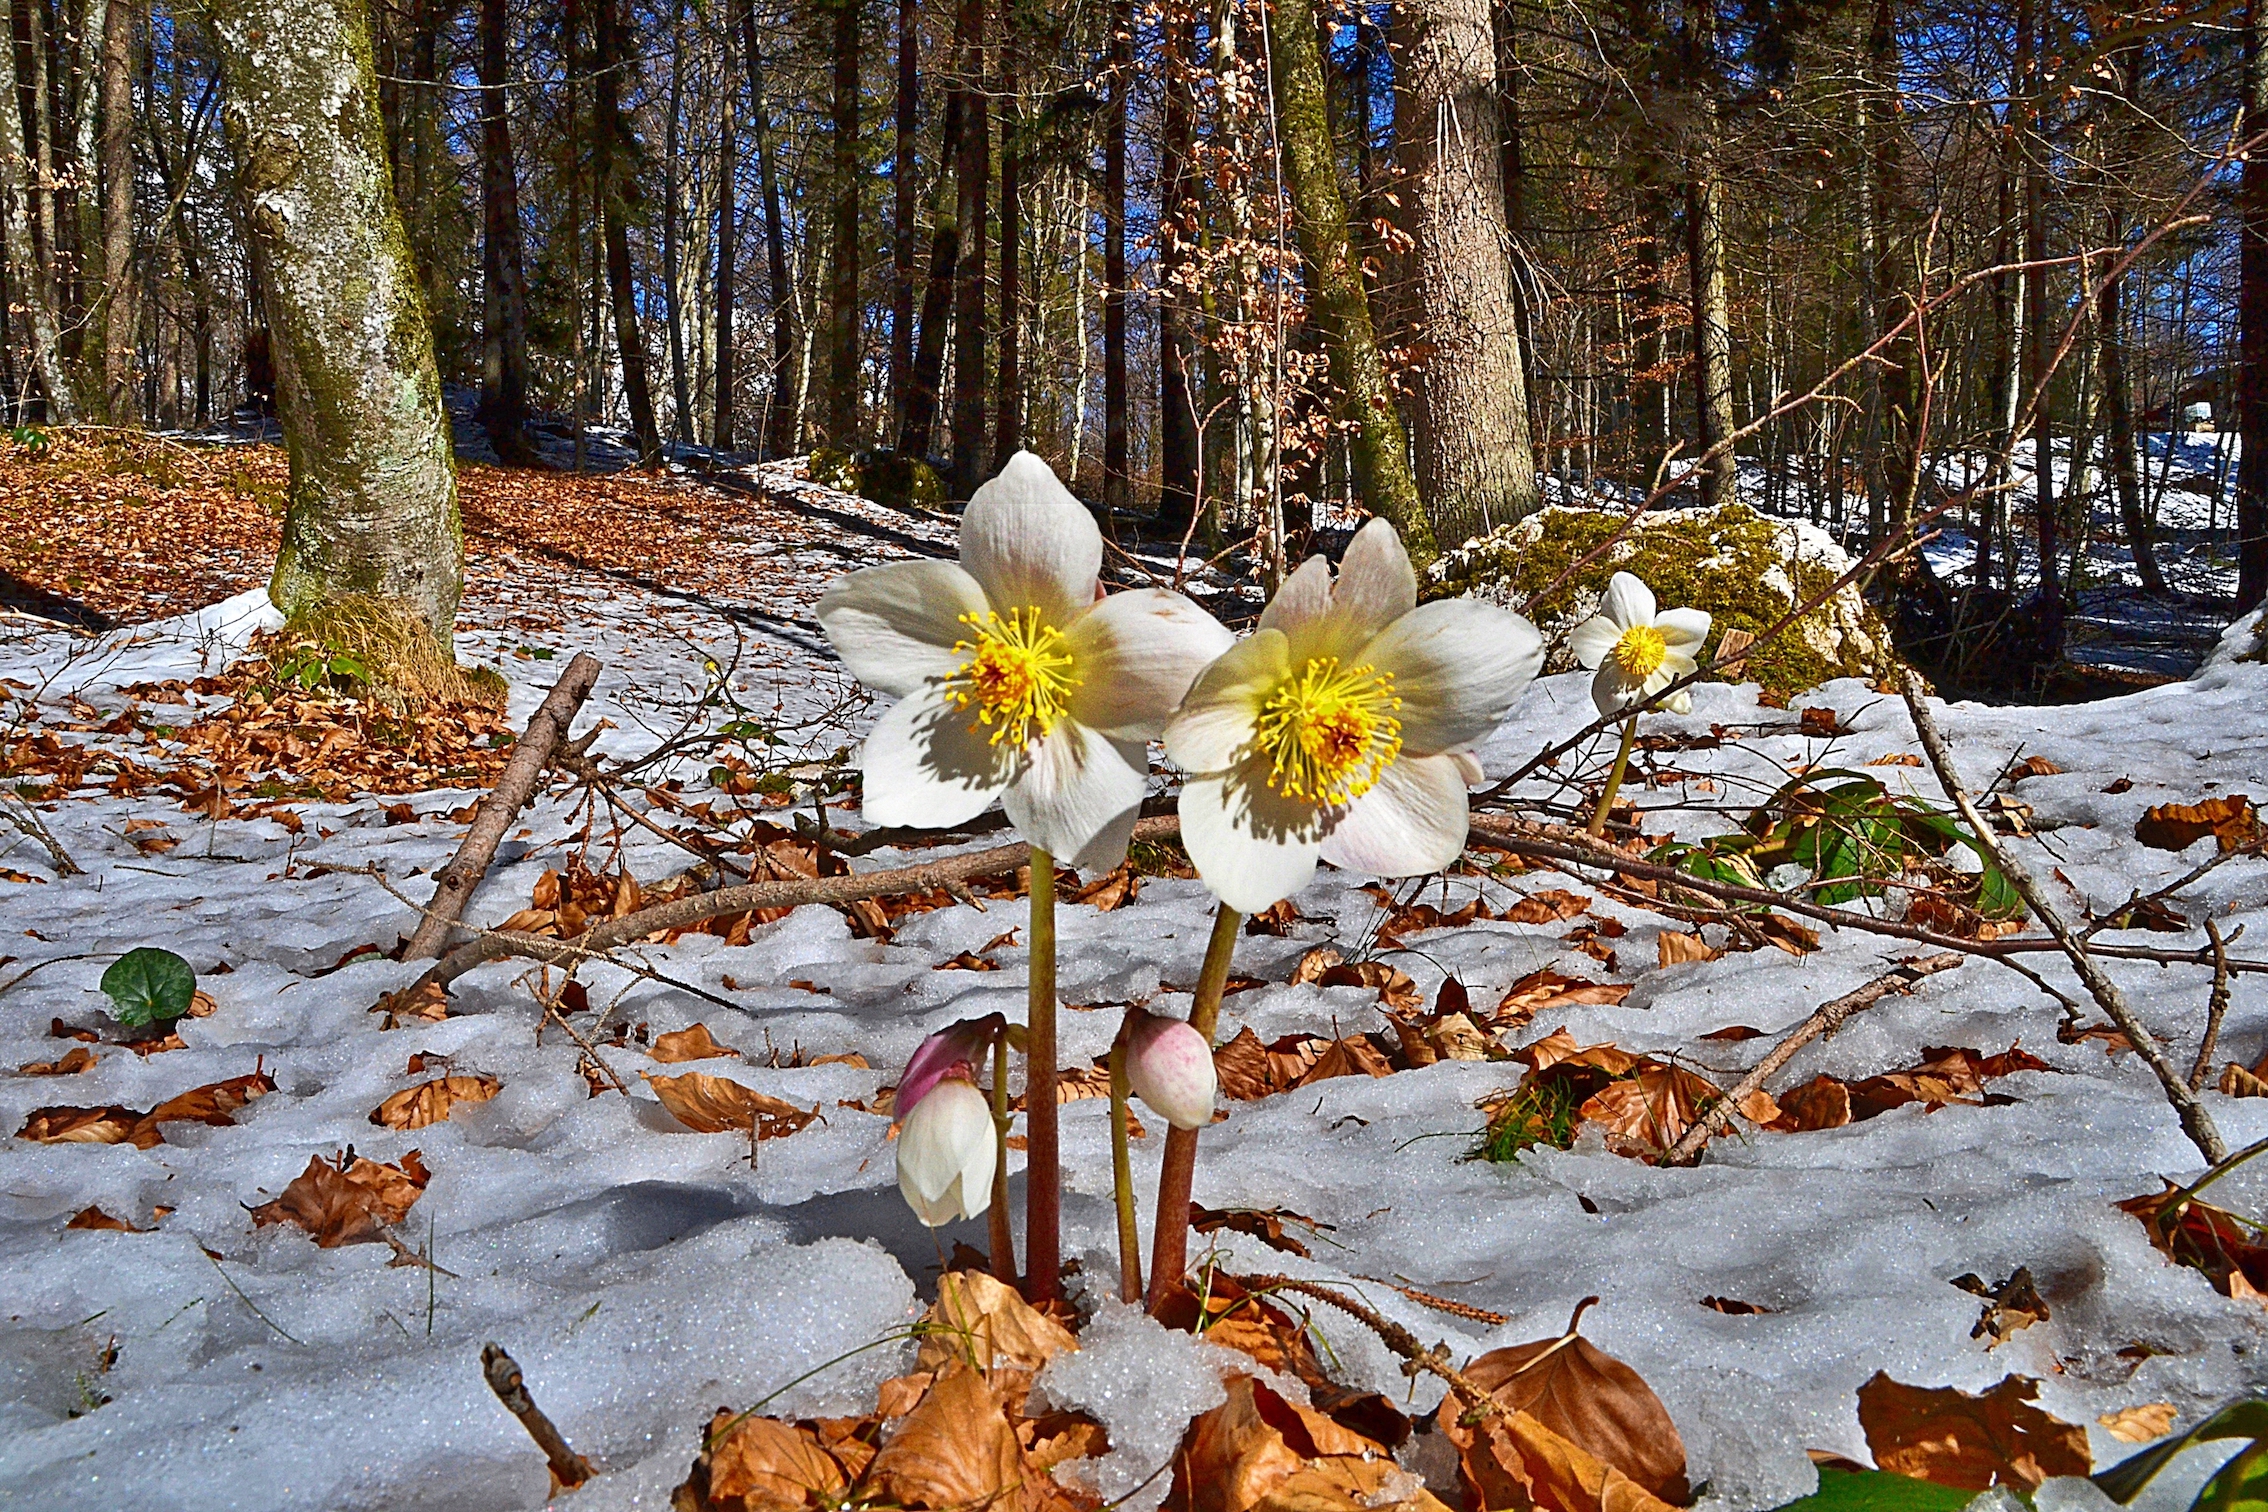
x=1252, y=846
x=1080, y=795
x=1613, y=690
x=1628, y=601
x=1468, y=764
x=1302, y=600
x=955, y=1049
x=928, y=764
x=1412, y=822
x=1593, y=640
x=895, y=626
x=1030, y=543
x=1135, y=655
x=1683, y=629
x=1377, y=584
x=1458, y=666
x=1214, y=726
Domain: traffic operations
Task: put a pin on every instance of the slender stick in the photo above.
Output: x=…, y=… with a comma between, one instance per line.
x=1043, y=1175
x=2196, y=1121
x=2216, y=1006
x=1614, y=777
x=1003, y=1233
x=1122, y=1175
x=568, y=1468
x=1169, y=1241
x=1826, y=1020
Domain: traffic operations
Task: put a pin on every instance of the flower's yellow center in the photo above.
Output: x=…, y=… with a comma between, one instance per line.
x=1640, y=651
x=1017, y=675
x=1330, y=732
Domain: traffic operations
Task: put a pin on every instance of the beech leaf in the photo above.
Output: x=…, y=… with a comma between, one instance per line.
x=1969, y=1442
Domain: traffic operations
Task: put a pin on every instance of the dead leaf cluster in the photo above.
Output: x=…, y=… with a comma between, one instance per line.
x=348, y=1199
x=215, y=1103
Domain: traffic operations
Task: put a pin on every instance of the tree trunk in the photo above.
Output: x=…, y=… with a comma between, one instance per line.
x=844, y=349
x=116, y=161
x=616, y=194
x=1177, y=345
x=1341, y=306
x=2037, y=345
x=1008, y=393
x=27, y=280
x=373, y=501
x=728, y=227
x=779, y=428
x=2118, y=412
x=903, y=232
x=1705, y=256
x=1116, y=396
x=937, y=294
x=504, y=282
x=2252, y=319
x=1476, y=465
x=970, y=173
x=673, y=220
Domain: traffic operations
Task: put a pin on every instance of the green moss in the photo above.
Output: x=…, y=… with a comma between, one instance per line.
x=1731, y=563
x=887, y=478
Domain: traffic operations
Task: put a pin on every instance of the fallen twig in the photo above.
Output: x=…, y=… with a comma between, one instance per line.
x=455, y=884
x=2196, y=1121
x=1826, y=1020
x=20, y=813
x=2216, y=1007
x=568, y=1469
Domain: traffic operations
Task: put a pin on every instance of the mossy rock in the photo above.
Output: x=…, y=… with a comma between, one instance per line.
x=1745, y=569
x=887, y=478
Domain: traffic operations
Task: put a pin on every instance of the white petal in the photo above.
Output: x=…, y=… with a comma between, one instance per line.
x=1680, y=702
x=895, y=626
x=1612, y=689
x=929, y=764
x=1377, y=584
x=1592, y=640
x=1677, y=664
x=1468, y=765
x=1215, y=723
x=1411, y=823
x=1683, y=629
x=1030, y=543
x=1135, y=655
x=946, y=1156
x=1458, y=665
x=1302, y=600
x=1252, y=847
x=1080, y=796
x=1628, y=601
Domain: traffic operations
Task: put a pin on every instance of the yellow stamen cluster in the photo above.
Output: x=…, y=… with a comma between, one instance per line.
x=1330, y=732
x=1640, y=651
x=1017, y=675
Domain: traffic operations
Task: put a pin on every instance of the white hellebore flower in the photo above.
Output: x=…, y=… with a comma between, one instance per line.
x=1014, y=679
x=1170, y=1067
x=1638, y=652
x=1339, y=729
x=946, y=1155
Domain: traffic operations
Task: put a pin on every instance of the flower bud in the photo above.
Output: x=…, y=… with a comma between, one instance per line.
x=946, y=1155
x=956, y=1050
x=1171, y=1068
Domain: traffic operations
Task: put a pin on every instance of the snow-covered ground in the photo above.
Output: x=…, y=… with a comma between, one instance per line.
x=643, y=1276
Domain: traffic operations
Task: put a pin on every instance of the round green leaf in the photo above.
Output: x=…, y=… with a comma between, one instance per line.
x=149, y=986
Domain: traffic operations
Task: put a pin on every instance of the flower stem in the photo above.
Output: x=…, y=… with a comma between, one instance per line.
x=1122, y=1176
x=1003, y=1236
x=1043, y=1177
x=1614, y=778
x=1169, y=1243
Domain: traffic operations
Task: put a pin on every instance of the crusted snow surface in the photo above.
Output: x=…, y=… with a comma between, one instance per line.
x=644, y=1276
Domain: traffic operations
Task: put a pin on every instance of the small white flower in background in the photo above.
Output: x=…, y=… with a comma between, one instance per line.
x=945, y=1153
x=1014, y=678
x=1341, y=729
x=1637, y=651
x=955, y=1050
x=1170, y=1068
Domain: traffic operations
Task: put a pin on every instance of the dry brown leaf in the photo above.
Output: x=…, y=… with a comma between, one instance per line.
x=433, y=1101
x=1674, y=947
x=1951, y=1438
x=1796, y=939
x=1539, y=990
x=1060, y=1437
x=956, y=1450
x=1644, y=1114
x=1112, y=890
x=1258, y=1452
x=689, y=1045
x=759, y=1464
x=2140, y=1424
x=2010, y=1307
x=718, y=1105
x=215, y=1103
x=2235, y=1081
x=1516, y=1461
x=2230, y=820
x=1587, y=1398
x=1241, y=1067
x=1263, y=1224
x=1548, y=906
x=96, y=1218
x=2204, y=1238
x=1393, y=985
x=347, y=1201
x=105, y=1125
x=426, y=1003
x=1457, y=1037
x=78, y=1058
x=1734, y=1033
x=980, y=1321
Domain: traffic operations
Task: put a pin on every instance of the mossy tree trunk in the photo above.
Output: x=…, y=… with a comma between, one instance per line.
x=1342, y=308
x=115, y=162
x=373, y=507
x=1476, y=464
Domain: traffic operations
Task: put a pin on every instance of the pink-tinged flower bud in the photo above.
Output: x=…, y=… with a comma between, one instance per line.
x=956, y=1050
x=946, y=1155
x=1171, y=1068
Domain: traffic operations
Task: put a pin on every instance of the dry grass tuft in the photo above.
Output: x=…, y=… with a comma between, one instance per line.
x=374, y=647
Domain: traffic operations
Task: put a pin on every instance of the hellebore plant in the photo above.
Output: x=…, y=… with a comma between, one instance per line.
x=1637, y=652
x=1341, y=730
x=940, y=1170
x=1017, y=680
x=1169, y=1065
